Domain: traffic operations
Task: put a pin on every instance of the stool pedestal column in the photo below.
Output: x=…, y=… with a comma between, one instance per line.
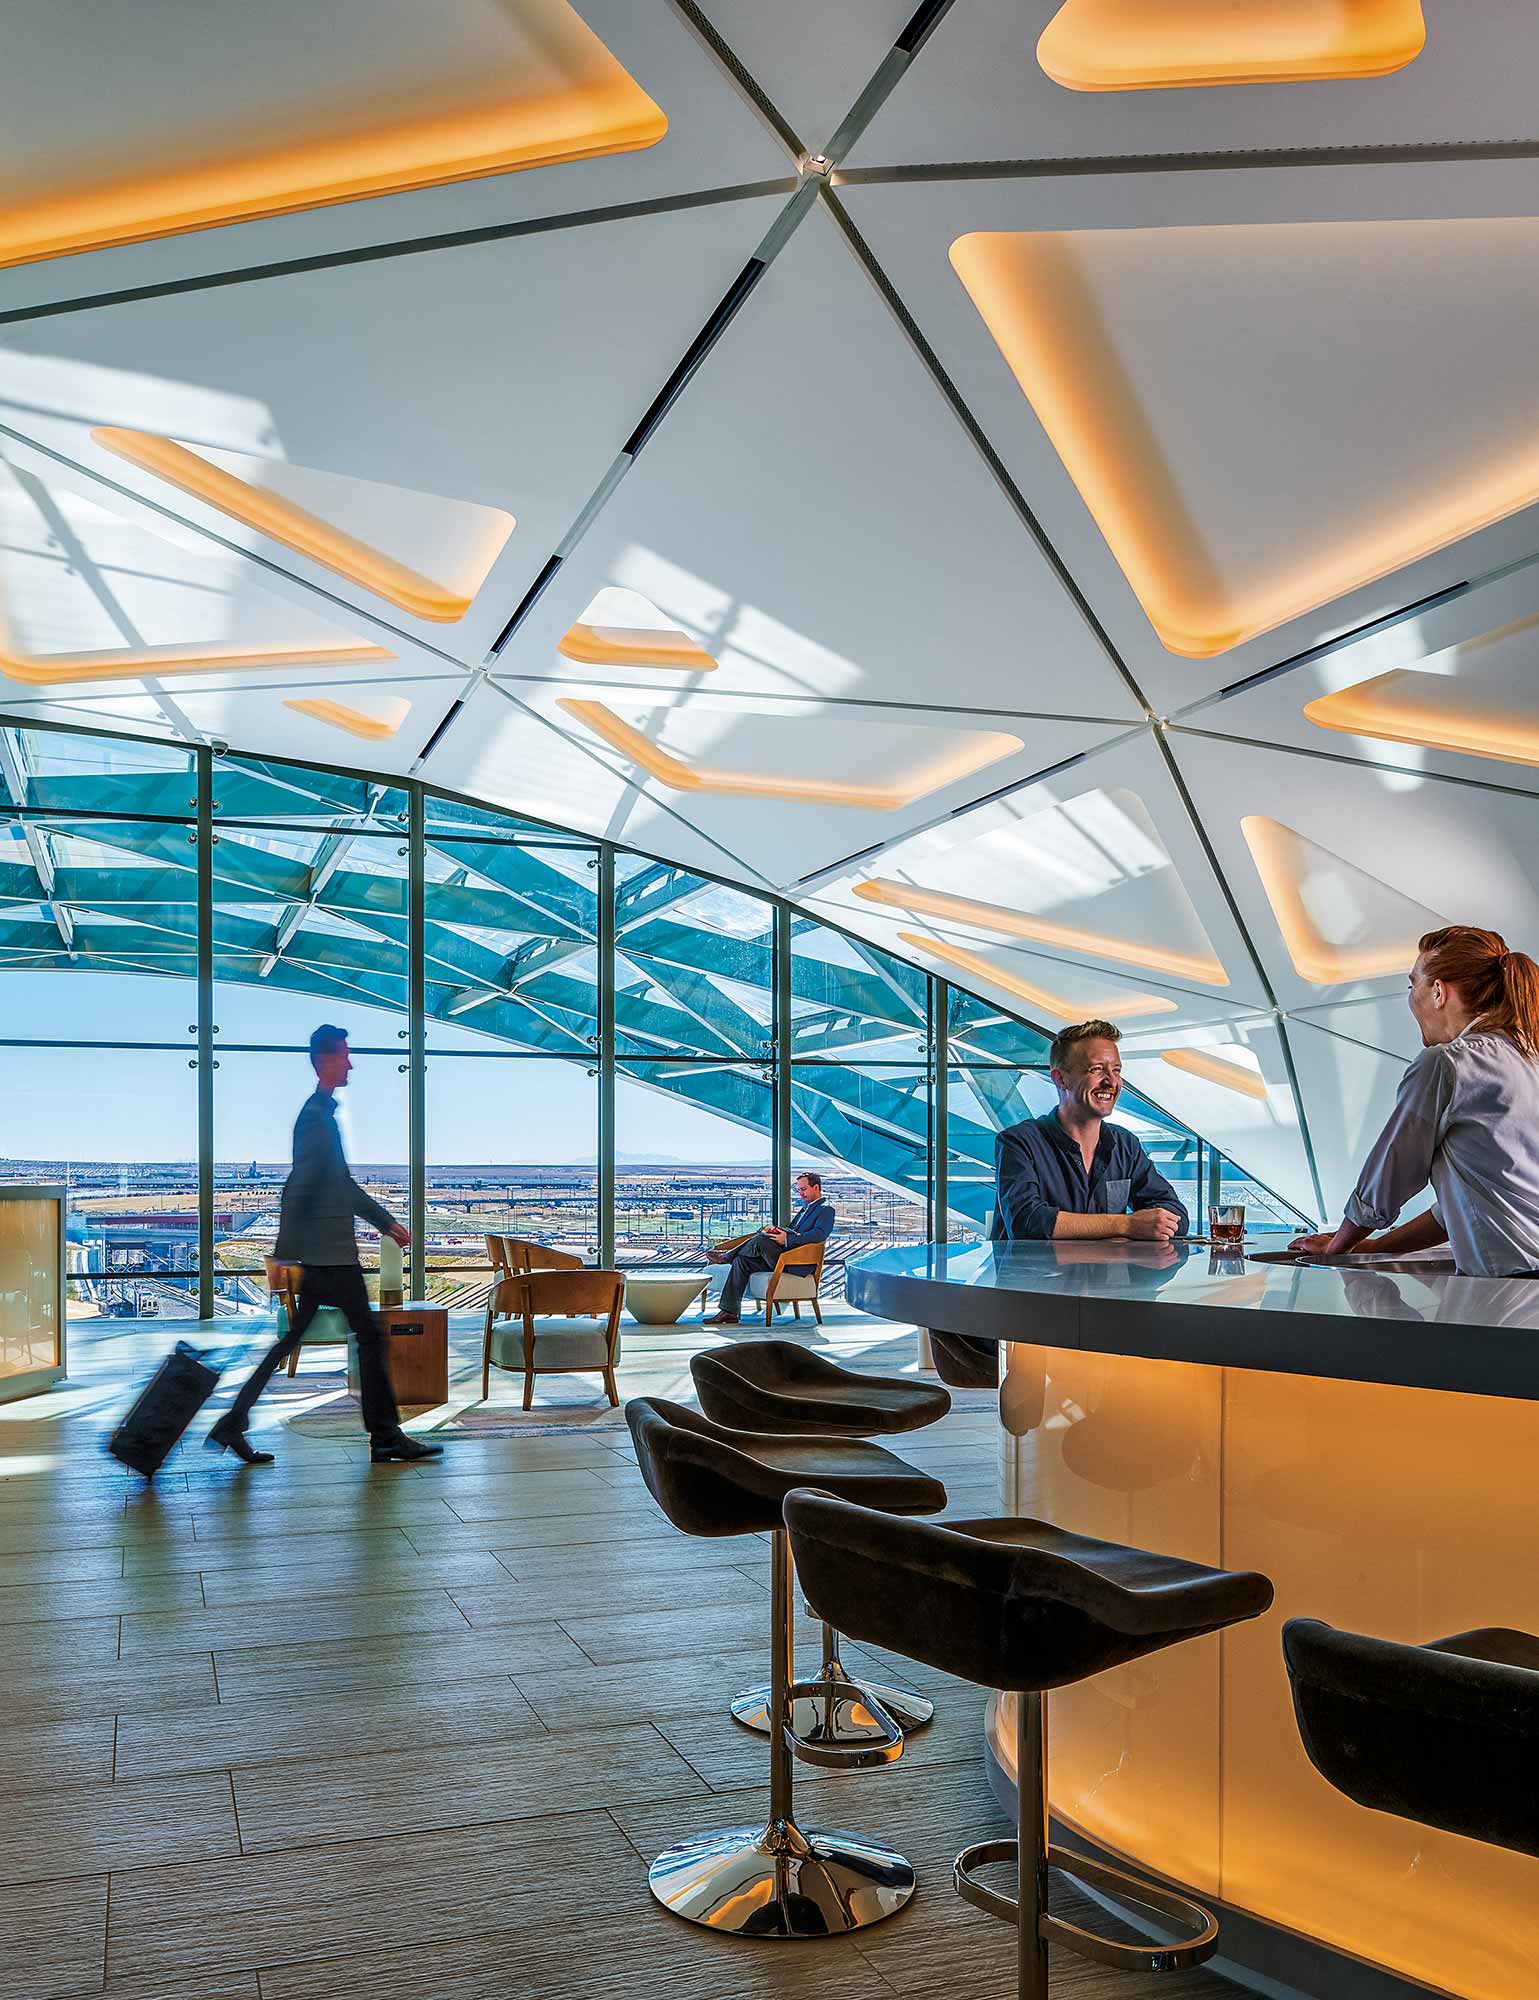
x=781, y=1880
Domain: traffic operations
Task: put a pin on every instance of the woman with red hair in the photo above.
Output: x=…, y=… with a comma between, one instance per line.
x=1466, y=1119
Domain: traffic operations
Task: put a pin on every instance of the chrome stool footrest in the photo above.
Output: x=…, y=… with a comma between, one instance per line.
x=841, y=1725
x=1144, y=1957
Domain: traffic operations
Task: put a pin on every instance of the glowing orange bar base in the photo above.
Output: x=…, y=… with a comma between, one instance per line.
x=1398, y=1511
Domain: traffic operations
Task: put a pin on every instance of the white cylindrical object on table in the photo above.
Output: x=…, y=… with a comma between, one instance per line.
x=392, y=1279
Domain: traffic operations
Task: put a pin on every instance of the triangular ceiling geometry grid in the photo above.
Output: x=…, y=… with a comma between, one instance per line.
x=753, y=437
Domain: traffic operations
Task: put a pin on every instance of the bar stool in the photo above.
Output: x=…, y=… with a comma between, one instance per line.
x=778, y=1386
x=778, y=1880
x=1446, y=1734
x=1022, y=1605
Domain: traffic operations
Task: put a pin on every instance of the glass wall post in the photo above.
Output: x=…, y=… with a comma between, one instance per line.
x=204, y=837
x=781, y=1150
x=940, y=1076
x=605, y=992
x=416, y=1043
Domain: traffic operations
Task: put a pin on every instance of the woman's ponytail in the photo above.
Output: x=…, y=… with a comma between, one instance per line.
x=1501, y=986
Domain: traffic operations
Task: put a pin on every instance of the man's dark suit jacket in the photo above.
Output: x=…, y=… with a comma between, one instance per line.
x=813, y=1222
x=1040, y=1172
x=320, y=1196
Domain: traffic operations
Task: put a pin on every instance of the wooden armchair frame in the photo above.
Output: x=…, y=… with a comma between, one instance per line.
x=808, y=1263
x=568, y=1293
x=283, y=1282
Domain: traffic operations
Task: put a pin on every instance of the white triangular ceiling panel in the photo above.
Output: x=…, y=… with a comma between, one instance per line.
x=1105, y=849
x=481, y=374
x=901, y=574
x=1393, y=850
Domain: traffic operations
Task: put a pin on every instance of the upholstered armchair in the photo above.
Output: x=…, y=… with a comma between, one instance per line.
x=554, y=1322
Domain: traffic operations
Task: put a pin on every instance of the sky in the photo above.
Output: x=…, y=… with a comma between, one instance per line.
x=140, y=1104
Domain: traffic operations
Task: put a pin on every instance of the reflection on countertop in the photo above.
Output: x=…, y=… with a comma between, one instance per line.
x=1194, y=1302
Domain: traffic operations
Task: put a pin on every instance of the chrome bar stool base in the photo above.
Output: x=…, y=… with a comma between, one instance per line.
x=781, y=1881
x=850, y=1701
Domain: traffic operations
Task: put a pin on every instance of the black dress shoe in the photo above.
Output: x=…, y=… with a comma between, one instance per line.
x=722, y=1319
x=222, y=1438
x=404, y=1449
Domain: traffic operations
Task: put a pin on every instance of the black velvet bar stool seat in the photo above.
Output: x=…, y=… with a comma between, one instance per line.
x=779, y=1386
x=778, y=1880
x=1023, y=1606
x=1446, y=1734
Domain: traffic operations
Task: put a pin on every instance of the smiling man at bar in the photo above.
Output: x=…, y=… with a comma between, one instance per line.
x=1070, y=1173
x=1466, y=1119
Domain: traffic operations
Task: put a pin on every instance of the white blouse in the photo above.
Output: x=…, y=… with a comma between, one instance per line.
x=1467, y=1120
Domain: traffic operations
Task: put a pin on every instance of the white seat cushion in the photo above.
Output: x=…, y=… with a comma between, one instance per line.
x=793, y=1285
x=558, y=1343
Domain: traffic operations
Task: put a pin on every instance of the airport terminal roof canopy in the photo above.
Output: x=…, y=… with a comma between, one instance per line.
x=1056, y=502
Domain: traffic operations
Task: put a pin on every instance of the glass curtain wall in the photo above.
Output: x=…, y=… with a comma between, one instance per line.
x=553, y=1037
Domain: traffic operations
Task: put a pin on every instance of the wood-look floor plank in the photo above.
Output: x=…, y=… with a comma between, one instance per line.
x=61, y=1565
x=275, y=1552
x=71, y=1693
x=218, y=1986
x=523, y=1777
x=404, y=1894
x=401, y=1659
x=40, y=1603
x=153, y=1635
x=598, y=1696
x=260, y=1732
x=644, y=1956
x=72, y=1642
x=400, y=1572
x=512, y=1603
x=682, y=1634
x=672, y=1562
x=505, y=1502
x=54, y=1936
x=82, y=1829
x=54, y=1753
x=50, y=1535
x=550, y=1531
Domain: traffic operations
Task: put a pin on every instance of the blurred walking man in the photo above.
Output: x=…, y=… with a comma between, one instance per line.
x=315, y=1230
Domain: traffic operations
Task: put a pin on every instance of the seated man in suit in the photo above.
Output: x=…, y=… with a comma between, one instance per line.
x=1070, y=1173
x=813, y=1222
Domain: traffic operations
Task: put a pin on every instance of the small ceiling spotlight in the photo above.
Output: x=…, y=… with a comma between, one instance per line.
x=819, y=164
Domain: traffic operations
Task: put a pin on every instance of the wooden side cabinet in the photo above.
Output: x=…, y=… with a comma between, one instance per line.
x=416, y=1353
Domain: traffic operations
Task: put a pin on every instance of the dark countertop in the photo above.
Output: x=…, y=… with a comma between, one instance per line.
x=1412, y=1322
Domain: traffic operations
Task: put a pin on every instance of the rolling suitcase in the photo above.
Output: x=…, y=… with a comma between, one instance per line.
x=175, y=1393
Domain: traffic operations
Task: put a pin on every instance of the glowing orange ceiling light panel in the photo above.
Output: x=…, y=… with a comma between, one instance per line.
x=1338, y=922
x=634, y=646
x=1214, y=1069
x=1016, y=923
x=1120, y=1007
x=681, y=777
x=1436, y=711
x=282, y=521
x=376, y=728
x=1163, y=433
x=62, y=669
x=524, y=84
x=1178, y=44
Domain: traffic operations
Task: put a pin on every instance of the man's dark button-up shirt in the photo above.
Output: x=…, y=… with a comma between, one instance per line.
x=1040, y=1171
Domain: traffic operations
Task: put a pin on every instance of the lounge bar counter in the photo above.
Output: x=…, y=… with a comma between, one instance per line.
x=1367, y=1437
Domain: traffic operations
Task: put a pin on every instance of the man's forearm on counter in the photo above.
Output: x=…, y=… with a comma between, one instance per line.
x=1070, y=1224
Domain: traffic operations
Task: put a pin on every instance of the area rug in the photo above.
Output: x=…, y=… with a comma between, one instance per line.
x=330, y=1411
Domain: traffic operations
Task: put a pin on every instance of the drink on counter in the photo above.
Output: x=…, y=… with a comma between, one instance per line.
x=1226, y=1224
